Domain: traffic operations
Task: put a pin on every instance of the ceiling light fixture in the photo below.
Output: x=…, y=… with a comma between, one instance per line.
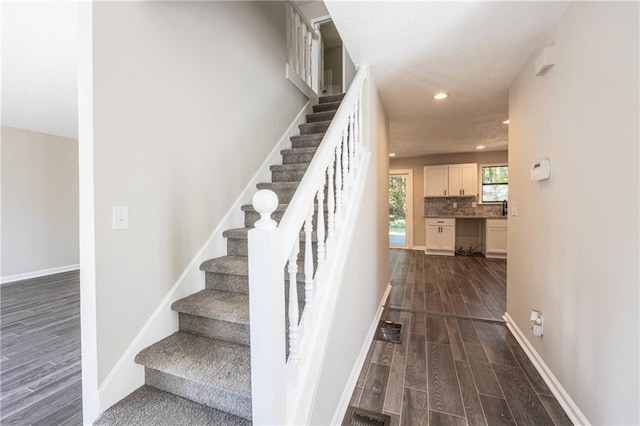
x=480, y=147
x=506, y=121
x=440, y=96
x=392, y=154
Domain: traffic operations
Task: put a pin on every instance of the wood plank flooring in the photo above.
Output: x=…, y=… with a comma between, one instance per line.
x=451, y=369
x=40, y=372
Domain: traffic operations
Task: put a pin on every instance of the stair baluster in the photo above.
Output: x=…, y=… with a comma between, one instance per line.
x=320, y=231
x=338, y=186
x=346, y=175
x=331, y=201
x=293, y=305
x=352, y=149
x=308, y=263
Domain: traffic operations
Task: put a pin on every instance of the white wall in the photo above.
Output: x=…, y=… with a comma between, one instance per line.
x=366, y=272
x=189, y=98
x=573, y=248
x=348, y=70
x=39, y=203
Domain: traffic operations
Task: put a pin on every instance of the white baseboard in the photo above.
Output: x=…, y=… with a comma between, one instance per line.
x=421, y=248
x=35, y=274
x=569, y=406
x=127, y=376
x=343, y=403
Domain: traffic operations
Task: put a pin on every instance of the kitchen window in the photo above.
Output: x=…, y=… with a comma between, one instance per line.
x=495, y=183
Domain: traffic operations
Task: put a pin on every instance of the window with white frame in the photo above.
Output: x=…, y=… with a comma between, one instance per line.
x=494, y=181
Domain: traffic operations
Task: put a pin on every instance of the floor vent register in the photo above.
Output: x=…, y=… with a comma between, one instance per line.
x=358, y=417
x=390, y=332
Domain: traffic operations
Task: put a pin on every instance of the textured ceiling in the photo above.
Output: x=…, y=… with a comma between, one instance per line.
x=473, y=50
x=39, y=67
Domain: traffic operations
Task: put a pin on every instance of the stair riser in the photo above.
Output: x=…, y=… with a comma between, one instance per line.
x=287, y=176
x=321, y=116
x=215, y=329
x=219, y=399
x=325, y=107
x=240, y=247
x=226, y=282
x=306, y=143
x=313, y=128
x=293, y=157
x=250, y=218
x=284, y=195
x=330, y=98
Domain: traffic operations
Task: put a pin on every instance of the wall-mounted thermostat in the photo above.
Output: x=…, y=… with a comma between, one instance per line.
x=541, y=170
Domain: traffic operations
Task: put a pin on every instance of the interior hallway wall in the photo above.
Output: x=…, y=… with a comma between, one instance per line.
x=188, y=103
x=39, y=202
x=573, y=247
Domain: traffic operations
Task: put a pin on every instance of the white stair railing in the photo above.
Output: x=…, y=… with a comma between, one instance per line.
x=282, y=389
x=302, y=48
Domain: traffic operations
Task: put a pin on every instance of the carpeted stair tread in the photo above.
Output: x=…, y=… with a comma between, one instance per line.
x=309, y=150
x=221, y=366
x=331, y=98
x=243, y=234
x=220, y=305
x=327, y=106
x=287, y=167
x=151, y=406
x=234, y=265
x=249, y=208
x=314, y=128
x=320, y=116
x=304, y=141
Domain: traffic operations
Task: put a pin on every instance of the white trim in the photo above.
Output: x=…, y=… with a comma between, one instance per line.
x=87, y=240
x=293, y=77
x=409, y=212
x=569, y=406
x=343, y=403
x=35, y=274
x=421, y=248
x=127, y=376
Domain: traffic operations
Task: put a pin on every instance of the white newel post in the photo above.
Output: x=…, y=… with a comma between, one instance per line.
x=266, y=307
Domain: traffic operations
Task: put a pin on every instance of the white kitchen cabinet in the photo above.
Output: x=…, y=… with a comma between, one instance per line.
x=436, y=181
x=440, y=236
x=463, y=180
x=451, y=180
x=495, y=237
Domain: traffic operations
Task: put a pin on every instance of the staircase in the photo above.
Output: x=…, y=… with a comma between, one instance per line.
x=207, y=362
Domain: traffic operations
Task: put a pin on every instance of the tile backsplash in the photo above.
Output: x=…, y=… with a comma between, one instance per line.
x=443, y=207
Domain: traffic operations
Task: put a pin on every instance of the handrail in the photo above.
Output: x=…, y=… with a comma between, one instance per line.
x=283, y=388
x=294, y=217
x=312, y=30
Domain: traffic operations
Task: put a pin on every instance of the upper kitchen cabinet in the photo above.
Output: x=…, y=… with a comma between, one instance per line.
x=436, y=181
x=463, y=180
x=451, y=180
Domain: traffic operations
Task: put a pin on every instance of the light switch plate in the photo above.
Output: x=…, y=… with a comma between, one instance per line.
x=514, y=209
x=120, y=217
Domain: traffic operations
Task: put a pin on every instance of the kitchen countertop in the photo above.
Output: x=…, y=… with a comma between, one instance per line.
x=465, y=217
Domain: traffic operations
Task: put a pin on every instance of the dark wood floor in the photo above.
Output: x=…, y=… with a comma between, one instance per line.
x=449, y=369
x=40, y=374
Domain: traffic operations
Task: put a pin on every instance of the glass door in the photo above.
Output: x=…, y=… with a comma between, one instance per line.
x=398, y=210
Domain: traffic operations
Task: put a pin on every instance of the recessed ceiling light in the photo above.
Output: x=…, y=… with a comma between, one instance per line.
x=505, y=121
x=480, y=147
x=392, y=154
x=440, y=96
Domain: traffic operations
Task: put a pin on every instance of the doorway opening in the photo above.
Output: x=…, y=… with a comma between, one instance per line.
x=401, y=208
x=331, y=65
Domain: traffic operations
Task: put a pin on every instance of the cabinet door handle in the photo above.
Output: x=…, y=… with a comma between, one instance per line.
x=445, y=192
x=463, y=192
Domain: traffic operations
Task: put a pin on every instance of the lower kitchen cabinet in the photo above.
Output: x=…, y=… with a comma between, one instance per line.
x=440, y=236
x=495, y=238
